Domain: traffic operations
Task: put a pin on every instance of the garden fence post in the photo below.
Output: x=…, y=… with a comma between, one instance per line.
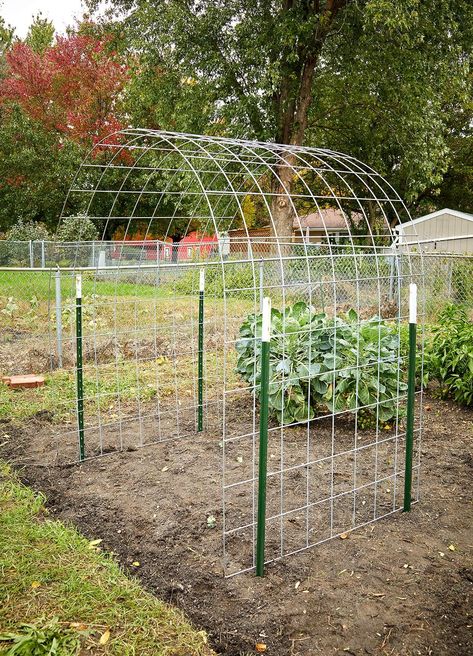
x=391, y=277
x=200, y=371
x=57, y=280
x=263, y=437
x=31, y=254
x=43, y=255
x=411, y=383
x=261, y=285
x=449, y=280
x=80, y=385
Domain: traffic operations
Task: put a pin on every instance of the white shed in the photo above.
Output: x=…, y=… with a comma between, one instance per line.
x=444, y=231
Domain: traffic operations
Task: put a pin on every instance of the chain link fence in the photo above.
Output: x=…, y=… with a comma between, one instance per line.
x=37, y=305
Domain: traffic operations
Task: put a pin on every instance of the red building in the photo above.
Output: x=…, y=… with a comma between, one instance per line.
x=195, y=245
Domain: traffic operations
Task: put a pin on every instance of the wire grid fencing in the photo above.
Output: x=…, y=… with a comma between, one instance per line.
x=331, y=468
x=100, y=254
x=140, y=334
x=337, y=391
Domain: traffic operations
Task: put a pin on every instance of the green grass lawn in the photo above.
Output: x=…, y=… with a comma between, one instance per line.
x=22, y=285
x=67, y=590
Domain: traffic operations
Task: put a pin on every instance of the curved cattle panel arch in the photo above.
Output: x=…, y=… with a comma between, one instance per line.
x=198, y=241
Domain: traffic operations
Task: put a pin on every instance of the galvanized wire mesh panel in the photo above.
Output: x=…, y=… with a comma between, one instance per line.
x=337, y=388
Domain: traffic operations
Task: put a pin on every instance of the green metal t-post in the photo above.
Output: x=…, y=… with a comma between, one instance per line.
x=200, y=366
x=263, y=437
x=411, y=385
x=80, y=383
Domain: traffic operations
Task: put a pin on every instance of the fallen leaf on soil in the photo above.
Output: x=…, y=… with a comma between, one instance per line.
x=135, y=563
x=94, y=543
x=164, y=469
x=211, y=521
x=260, y=647
x=104, y=638
x=78, y=625
x=297, y=584
x=35, y=584
x=343, y=536
x=452, y=547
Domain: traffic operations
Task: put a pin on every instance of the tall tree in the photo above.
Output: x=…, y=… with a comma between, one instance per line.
x=395, y=90
x=255, y=60
x=374, y=77
x=56, y=100
x=72, y=87
x=40, y=34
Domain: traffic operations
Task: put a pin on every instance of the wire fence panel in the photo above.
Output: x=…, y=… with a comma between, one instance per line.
x=140, y=329
x=164, y=341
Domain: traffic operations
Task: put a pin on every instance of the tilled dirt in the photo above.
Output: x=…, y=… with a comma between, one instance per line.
x=400, y=586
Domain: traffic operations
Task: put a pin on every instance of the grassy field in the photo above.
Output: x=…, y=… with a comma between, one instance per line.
x=65, y=588
x=25, y=284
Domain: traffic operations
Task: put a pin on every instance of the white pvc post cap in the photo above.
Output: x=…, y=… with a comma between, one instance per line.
x=202, y=280
x=79, y=285
x=266, y=327
x=412, y=303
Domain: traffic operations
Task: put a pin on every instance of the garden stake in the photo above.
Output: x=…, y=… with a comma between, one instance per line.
x=57, y=280
x=80, y=384
x=261, y=285
x=411, y=383
x=263, y=436
x=200, y=373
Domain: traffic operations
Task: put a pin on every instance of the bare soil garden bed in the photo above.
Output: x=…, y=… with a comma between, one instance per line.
x=400, y=586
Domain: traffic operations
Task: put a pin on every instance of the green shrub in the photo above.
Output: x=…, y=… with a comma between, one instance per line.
x=319, y=363
x=28, y=231
x=237, y=281
x=449, y=355
x=16, y=250
x=77, y=228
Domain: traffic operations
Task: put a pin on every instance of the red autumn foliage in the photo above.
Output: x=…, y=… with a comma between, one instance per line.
x=74, y=87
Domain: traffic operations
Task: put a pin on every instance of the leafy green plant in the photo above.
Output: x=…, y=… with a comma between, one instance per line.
x=77, y=228
x=449, y=355
x=49, y=639
x=28, y=230
x=11, y=307
x=318, y=363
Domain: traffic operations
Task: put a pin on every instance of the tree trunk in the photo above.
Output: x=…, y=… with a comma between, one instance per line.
x=292, y=126
x=281, y=207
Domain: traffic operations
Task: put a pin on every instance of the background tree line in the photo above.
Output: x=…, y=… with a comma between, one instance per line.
x=387, y=81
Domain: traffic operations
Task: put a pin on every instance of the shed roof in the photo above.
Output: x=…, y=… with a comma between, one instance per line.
x=433, y=215
x=324, y=219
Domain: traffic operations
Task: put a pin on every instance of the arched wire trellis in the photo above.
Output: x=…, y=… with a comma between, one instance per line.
x=176, y=204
